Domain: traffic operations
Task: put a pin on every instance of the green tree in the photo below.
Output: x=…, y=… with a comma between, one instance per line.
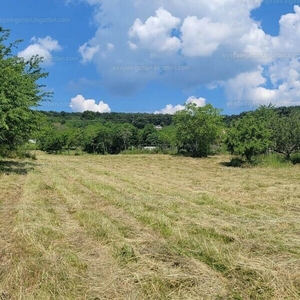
x=127, y=134
x=167, y=137
x=74, y=139
x=286, y=133
x=252, y=134
x=52, y=140
x=90, y=134
x=148, y=135
x=103, y=139
x=197, y=128
x=19, y=93
x=152, y=139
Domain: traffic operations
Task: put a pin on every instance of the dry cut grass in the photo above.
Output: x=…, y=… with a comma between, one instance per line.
x=148, y=227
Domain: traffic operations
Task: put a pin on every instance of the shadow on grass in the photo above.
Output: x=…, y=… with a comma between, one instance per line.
x=13, y=167
x=192, y=155
x=274, y=160
x=295, y=159
x=237, y=163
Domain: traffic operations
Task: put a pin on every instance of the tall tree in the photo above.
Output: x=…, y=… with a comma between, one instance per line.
x=197, y=128
x=126, y=133
x=167, y=137
x=286, y=133
x=20, y=91
x=149, y=135
x=252, y=134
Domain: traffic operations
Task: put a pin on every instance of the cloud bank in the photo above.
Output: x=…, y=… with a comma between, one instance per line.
x=219, y=40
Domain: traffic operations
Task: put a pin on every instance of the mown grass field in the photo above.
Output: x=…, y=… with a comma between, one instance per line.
x=148, y=227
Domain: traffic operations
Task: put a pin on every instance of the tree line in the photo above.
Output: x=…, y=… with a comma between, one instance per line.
x=100, y=138
x=193, y=130
x=139, y=120
x=196, y=131
x=265, y=130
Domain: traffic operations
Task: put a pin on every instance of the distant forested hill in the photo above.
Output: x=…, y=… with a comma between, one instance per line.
x=283, y=111
x=138, y=120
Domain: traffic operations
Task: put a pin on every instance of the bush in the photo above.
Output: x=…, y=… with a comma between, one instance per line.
x=29, y=146
x=295, y=158
x=272, y=160
x=19, y=153
x=26, y=154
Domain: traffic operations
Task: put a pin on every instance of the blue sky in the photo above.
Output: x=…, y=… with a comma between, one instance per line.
x=154, y=56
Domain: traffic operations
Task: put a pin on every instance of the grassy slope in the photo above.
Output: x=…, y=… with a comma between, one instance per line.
x=148, y=227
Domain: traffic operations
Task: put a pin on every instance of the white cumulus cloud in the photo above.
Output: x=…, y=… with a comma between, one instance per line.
x=42, y=47
x=80, y=104
x=219, y=39
x=248, y=89
x=155, y=33
x=202, y=37
x=170, y=109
